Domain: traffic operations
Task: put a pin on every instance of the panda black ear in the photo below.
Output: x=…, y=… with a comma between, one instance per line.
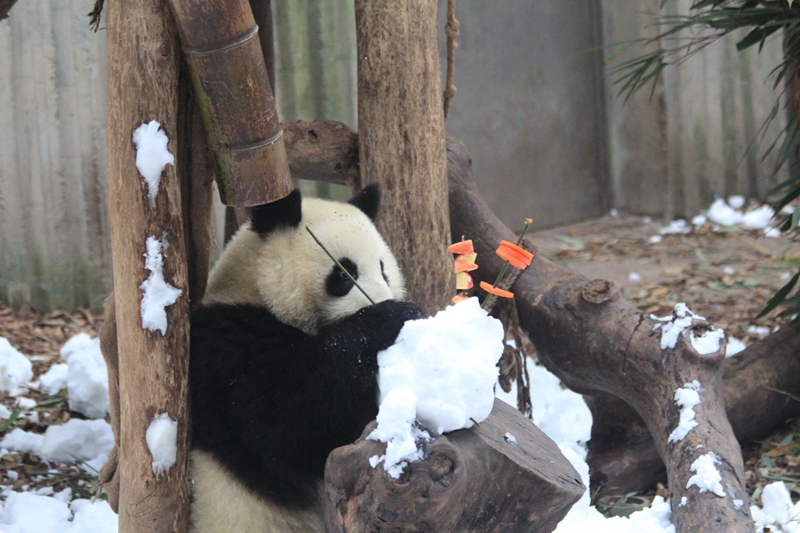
x=368, y=200
x=286, y=212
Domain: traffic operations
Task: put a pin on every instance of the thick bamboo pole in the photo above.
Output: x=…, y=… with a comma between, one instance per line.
x=143, y=66
x=402, y=141
x=230, y=80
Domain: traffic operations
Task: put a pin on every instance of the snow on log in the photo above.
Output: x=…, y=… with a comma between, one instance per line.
x=152, y=156
x=161, y=437
x=157, y=293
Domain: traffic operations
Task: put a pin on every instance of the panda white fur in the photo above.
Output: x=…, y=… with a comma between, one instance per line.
x=284, y=361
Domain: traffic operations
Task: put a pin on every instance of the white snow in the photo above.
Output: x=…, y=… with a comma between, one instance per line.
x=5, y=412
x=734, y=346
x=77, y=439
x=699, y=220
x=676, y=226
x=730, y=271
x=723, y=214
x=708, y=342
x=634, y=277
x=777, y=512
x=152, y=155
x=707, y=477
x=772, y=233
x=511, y=439
x=18, y=440
x=736, y=202
x=29, y=513
x=54, y=379
x=757, y=331
x=758, y=218
x=654, y=239
x=87, y=381
x=674, y=325
x=75, y=343
x=684, y=501
x=15, y=369
x=162, y=440
x=158, y=294
x=440, y=371
x=687, y=398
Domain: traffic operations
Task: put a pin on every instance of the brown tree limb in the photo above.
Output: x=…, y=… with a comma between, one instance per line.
x=595, y=341
x=469, y=481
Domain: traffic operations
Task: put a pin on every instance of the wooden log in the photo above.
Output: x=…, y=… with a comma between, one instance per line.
x=143, y=68
x=323, y=151
x=472, y=480
x=232, y=87
x=402, y=140
x=595, y=341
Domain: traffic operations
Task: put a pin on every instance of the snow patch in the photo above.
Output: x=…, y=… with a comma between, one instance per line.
x=54, y=379
x=708, y=342
x=707, y=477
x=81, y=440
x=687, y=398
x=511, y=439
x=152, y=155
x=674, y=325
x=777, y=512
x=162, y=440
x=734, y=346
x=158, y=294
x=22, y=441
x=87, y=379
x=676, y=226
x=758, y=218
x=15, y=369
x=723, y=214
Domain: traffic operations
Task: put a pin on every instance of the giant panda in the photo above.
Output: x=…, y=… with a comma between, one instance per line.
x=284, y=360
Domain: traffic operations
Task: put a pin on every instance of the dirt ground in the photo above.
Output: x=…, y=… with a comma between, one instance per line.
x=725, y=276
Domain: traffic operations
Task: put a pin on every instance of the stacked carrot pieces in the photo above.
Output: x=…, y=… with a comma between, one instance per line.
x=464, y=263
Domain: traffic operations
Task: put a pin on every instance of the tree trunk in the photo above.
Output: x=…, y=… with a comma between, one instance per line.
x=5, y=7
x=472, y=480
x=402, y=141
x=143, y=64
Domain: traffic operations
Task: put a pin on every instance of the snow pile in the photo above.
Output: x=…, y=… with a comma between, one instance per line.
x=723, y=214
x=583, y=517
x=83, y=440
x=152, y=155
x=30, y=513
x=158, y=294
x=676, y=226
x=87, y=376
x=162, y=440
x=758, y=218
x=442, y=371
x=778, y=513
x=687, y=398
x=54, y=379
x=18, y=440
x=706, y=477
x=734, y=346
x=674, y=324
x=15, y=369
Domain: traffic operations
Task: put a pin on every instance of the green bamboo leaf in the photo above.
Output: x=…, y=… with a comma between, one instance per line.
x=776, y=300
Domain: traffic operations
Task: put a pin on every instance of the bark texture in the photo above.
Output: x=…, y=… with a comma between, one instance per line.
x=233, y=90
x=144, y=60
x=402, y=141
x=472, y=480
x=595, y=341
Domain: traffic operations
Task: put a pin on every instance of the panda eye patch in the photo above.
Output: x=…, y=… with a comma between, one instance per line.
x=337, y=283
x=385, y=277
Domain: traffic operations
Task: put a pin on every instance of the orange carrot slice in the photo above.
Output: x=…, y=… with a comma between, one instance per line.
x=464, y=281
x=463, y=247
x=514, y=254
x=496, y=290
x=458, y=298
x=463, y=266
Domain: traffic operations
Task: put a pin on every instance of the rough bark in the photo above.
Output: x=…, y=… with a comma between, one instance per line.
x=402, y=141
x=472, y=480
x=323, y=151
x=234, y=94
x=144, y=60
x=595, y=341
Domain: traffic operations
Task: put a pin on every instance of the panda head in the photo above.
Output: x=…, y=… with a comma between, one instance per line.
x=274, y=262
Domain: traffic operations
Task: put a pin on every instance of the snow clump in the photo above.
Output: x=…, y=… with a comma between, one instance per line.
x=152, y=156
x=674, y=324
x=687, y=398
x=707, y=477
x=81, y=440
x=15, y=369
x=87, y=376
x=708, y=342
x=162, y=440
x=158, y=294
x=441, y=371
x=778, y=512
x=734, y=346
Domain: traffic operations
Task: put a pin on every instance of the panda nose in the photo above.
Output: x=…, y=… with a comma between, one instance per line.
x=379, y=291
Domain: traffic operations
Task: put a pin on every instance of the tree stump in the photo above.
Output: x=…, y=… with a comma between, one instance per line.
x=471, y=480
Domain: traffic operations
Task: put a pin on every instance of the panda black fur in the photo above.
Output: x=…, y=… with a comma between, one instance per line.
x=284, y=361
